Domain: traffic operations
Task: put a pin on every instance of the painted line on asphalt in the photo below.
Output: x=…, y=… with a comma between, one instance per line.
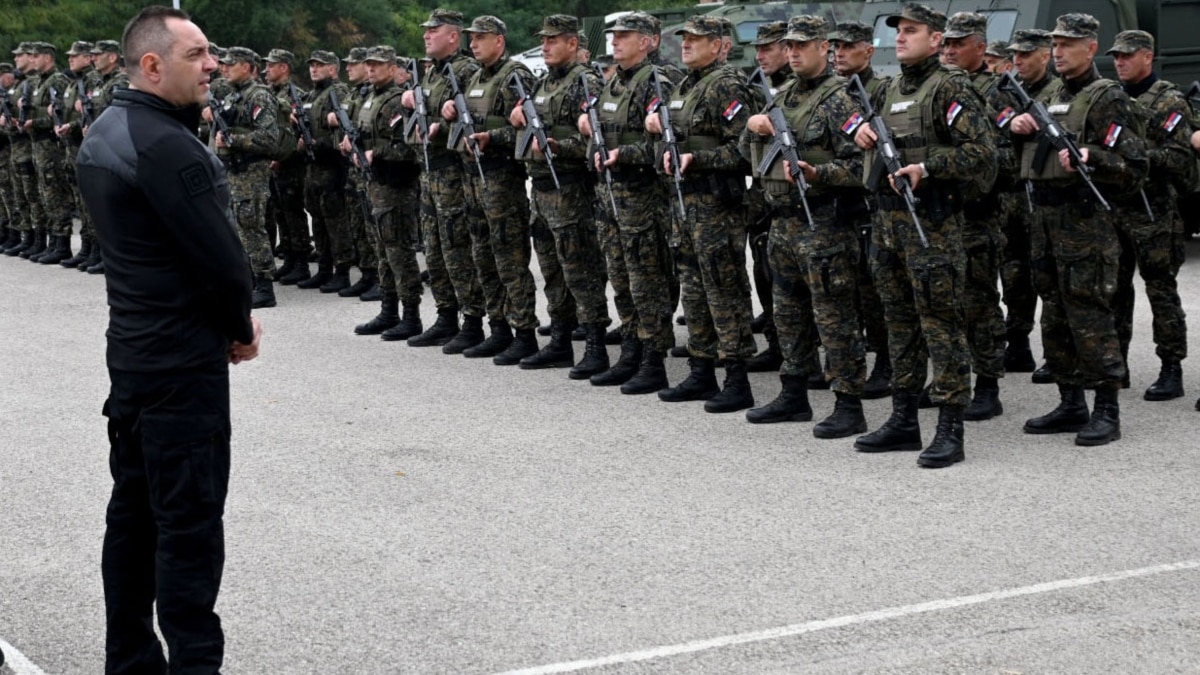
x=851, y=620
x=17, y=661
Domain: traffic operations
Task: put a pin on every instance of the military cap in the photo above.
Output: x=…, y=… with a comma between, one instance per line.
x=769, y=33
x=443, y=17
x=583, y=41
x=1076, y=26
x=114, y=47
x=604, y=60
x=216, y=50
x=804, y=28
x=22, y=48
x=240, y=55
x=726, y=27
x=381, y=54
x=43, y=48
x=962, y=24
x=356, y=55
x=999, y=49
x=921, y=14
x=1030, y=39
x=638, y=22
x=79, y=47
x=281, y=56
x=487, y=24
x=699, y=24
x=1130, y=41
x=6, y=68
x=852, y=31
x=558, y=24
x=324, y=57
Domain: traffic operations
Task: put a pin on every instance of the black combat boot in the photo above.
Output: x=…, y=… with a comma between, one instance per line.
x=388, y=317
x=1018, y=357
x=595, y=354
x=524, y=345
x=1043, y=375
x=339, y=280
x=558, y=353
x=846, y=420
x=626, y=365
x=92, y=258
x=700, y=384
x=816, y=374
x=38, y=244
x=790, y=406
x=986, y=403
x=544, y=330
x=322, y=277
x=1104, y=426
x=500, y=337
x=12, y=238
x=369, y=278
x=289, y=265
x=1070, y=415
x=901, y=431
x=59, y=250
x=23, y=243
x=759, y=323
x=735, y=393
x=879, y=382
x=613, y=337
x=264, y=293
x=442, y=331
x=1169, y=384
x=469, y=335
x=98, y=268
x=768, y=360
x=680, y=352
x=579, y=334
x=372, y=294
x=298, y=273
x=651, y=375
x=947, y=445
x=409, y=326
x=85, y=249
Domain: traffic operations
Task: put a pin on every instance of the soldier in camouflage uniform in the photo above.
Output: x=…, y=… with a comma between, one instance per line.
x=357, y=199
x=997, y=57
x=49, y=157
x=285, y=208
x=853, y=45
x=633, y=237
x=252, y=114
x=814, y=262
x=24, y=177
x=1074, y=243
x=1153, y=243
x=86, y=80
x=452, y=275
x=709, y=113
x=563, y=214
x=10, y=230
x=107, y=62
x=944, y=140
x=498, y=209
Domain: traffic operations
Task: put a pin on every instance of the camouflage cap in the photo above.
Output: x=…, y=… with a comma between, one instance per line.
x=805, y=27
x=852, y=31
x=1076, y=26
x=726, y=27
x=6, y=68
x=1030, y=39
x=79, y=47
x=216, y=50
x=281, y=56
x=1130, y=41
x=324, y=57
x=962, y=24
x=43, y=48
x=638, y=22
x=240, y=55
x=558, y=24
x=769, y=33
x=381, y=54
x=443, y=17
x=487, y=24
x=583, y=41
x=114, y=47
x=921, y=14
x=999, y=49
x=22, y=48
x=356, y=55
x=604, y=60
x=698, y=24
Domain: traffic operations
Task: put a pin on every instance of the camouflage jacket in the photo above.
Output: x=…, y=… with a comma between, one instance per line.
x=437, y=92
x=502, y=136
x=822, y=134
x=722, y=106
x=284, y=94
x=109, y=84
x=562, y=85
x=626, y=85
x=319, y=105
x=999, y=108
x=1164, y=113
x=252, y=114
x=91, y=81
x=52, y=84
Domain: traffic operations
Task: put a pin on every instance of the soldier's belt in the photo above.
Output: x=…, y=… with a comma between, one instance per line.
x=393, y=173
x=490, y=164
x=941, y=201
x=546, y=183
x=1050, y=196
x=815, y=202
x=240, y=163
x=632, y=174
x=705, y=183
x=443, y=161
x=987, y=206
x=906, y=142
x=37, y=135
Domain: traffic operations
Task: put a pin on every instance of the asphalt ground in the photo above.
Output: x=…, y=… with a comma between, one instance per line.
x=396, y=510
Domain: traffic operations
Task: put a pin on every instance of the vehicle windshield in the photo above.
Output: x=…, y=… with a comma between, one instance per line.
x=1000, y=27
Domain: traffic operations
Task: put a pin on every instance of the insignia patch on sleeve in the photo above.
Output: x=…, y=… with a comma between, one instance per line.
x=1005, y=117
x=853, y=123
x=952, y=113
x=195, y=180
x=1172, y=121
x=653, y=106
x=1114, y=133
x=732, y=111
x=257, y=110
x=392, y=122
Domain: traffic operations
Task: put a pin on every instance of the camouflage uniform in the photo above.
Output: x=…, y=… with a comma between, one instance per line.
x=10, y=225
x=89, y=81
x=110, y=81
x=285, y=209
x=49, y=154
x=325, y=179
x=361, y=226
x=22, y=179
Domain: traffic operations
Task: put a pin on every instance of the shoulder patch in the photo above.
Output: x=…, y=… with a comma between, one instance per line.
x=853, y=123
x=732, y=111
x=1172, y=121
x=1113, y=135
x=1005, y=117
x=952, y=113
x=196, y=180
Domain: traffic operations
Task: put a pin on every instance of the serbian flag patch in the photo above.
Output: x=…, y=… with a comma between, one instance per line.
x=733, y=109
x=257, y=110
x=853, y=123
x=1171, y=122
x=653, y=106
x=1005, y=117
x=1114, y=133
x=589, y=103
x=397, y=118
x=952, y=112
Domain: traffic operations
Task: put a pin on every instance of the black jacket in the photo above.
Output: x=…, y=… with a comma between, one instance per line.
x=178, y=278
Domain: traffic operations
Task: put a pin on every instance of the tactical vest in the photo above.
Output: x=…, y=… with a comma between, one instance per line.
x=910, y=119
x=614, y=110
x=1073, y=118
x=798, y=119
x=682, y=110
x=242, y=119
x=376, y=128
x=549, y=106
x=437, y=92
x=1153, y=130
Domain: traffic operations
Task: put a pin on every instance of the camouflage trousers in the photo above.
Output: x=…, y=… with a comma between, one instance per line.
x=396, y=212
x=1016, y=277
x=498, y=214
x=286, y=208
x=814, y=274
x=249, y=188
x=922, y=290
x=24, y=185
x=867, y=301
x=565, y=218
x=1074, y=252
x=560, y=303
x=53, y=189
x=984, y=243
x=325, y=200
x=86, y=229
x=635, y=250
x=1150, y=246
x=452, y=276
x=362, y=225
x=714, y=286
x=8, y=208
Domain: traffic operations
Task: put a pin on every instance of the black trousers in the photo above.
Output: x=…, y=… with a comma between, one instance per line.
x=165, y=543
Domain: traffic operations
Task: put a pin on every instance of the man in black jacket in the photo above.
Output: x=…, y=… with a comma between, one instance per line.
x=179, y=289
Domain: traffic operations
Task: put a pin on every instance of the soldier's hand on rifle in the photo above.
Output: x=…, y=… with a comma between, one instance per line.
x=612, y=159
x=517, y=118
x=344, y=146
x=482, y=139
x=331, y=120
x=409, y=100
x=585, y=125
x=761, y=125
x=50, y=110
x=274, y=165
x=449, y=112
x=537, y=146
x=28, y=125
x=685, y=160
x=220, y=142
x=300, y=145
x=61, y=130
x=79, y=106
x=369, y=154
x=433, y=129
x=1024, y=125
x=654, y=124
x=912, y=172
x=865, y=138
x=810, y=172
x=292, y=118
x=1064, y=158
x=1196, y=141
x=206, y=114
x=4, y=120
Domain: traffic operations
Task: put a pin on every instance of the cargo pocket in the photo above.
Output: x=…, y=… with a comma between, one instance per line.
x=1088, y=274
x=935, y=285
x=829, y=269
x=187, y=459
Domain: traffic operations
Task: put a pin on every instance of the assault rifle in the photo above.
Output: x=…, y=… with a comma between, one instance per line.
x=303, y=123
x=87, y=107
x=888, y=157
x=464, y=124
x=783, y=143
x=362, y=166
x=6, y=107
x=420, y=116
x=1052, y=135
x=669, y=139
x=57, y=112
x=26, y=104
x=533, y=127
x=220, y=126
x=598, y=139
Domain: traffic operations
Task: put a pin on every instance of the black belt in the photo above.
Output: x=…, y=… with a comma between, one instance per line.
x=814, y=201
x=631, y=175
x=1058, y=196
x=928, y=200
x=546, y=183
x=439, y=162
x=704, y=183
